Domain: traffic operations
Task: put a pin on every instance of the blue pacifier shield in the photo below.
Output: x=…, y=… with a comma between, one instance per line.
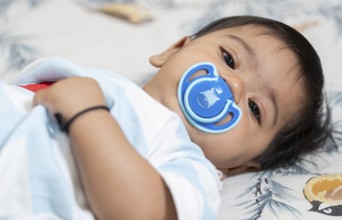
x=206, y=99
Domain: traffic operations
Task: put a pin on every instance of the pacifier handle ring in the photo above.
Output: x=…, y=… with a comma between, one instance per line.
x=202, y=119
x=207, y=123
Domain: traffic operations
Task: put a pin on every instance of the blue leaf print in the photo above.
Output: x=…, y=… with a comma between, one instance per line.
x=17, y=53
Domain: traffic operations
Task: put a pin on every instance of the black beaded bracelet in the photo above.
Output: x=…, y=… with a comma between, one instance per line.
x=65, y=126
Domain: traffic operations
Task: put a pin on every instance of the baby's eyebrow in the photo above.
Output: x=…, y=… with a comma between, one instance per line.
x=271, y=95
x=243, y=43
x=273, y=98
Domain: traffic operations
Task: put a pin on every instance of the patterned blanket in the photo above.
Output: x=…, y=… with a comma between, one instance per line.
x=77, y=30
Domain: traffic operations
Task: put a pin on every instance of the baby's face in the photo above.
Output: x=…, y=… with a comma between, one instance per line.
x=263, y=76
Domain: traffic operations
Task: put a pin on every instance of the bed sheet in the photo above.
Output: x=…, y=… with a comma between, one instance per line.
x=77, y=30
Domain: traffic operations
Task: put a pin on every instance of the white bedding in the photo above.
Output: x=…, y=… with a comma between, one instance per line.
x=31, y=29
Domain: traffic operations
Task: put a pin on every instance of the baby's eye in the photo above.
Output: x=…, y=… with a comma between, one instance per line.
x=228, y=59
x=254, y=109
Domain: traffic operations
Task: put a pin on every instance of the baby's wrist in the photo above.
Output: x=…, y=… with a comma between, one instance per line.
x=64, y=124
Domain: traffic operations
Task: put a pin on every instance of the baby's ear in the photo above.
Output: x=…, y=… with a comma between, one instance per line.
x=250, y=166
x=159, y=59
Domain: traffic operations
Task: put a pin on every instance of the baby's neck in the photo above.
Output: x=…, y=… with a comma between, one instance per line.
x=162, y=93
x=152, y=87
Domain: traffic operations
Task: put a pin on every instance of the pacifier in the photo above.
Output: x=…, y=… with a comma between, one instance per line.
x=206, y=99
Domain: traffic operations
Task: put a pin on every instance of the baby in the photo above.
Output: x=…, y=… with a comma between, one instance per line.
x=242, y=94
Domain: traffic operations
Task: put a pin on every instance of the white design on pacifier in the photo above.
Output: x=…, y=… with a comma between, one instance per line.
x=207, y=99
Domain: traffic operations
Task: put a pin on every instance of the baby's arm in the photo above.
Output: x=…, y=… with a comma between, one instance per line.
x=119, y=183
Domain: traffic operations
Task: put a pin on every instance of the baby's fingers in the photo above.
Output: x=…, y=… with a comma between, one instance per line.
x=38, y=98
x=69, y=96
x=42, y=98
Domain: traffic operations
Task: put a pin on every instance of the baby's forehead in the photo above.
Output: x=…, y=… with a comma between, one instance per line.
x=250, y=30
x=253, y=36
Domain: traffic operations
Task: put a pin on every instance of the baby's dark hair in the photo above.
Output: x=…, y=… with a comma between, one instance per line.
x=309, y=128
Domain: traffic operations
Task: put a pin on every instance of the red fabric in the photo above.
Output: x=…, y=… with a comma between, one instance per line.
x=37, y=86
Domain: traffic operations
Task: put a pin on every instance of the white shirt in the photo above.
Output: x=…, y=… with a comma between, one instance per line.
x=157, y=134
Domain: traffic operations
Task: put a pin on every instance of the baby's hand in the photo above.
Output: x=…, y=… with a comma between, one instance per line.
x=70, y=96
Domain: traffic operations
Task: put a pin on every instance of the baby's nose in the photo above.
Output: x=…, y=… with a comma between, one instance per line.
x=235, y=84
